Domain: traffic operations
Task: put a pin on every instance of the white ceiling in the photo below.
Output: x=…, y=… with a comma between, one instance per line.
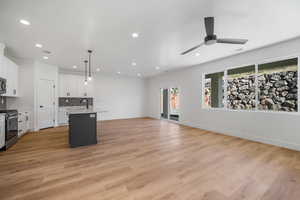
x=68, y=28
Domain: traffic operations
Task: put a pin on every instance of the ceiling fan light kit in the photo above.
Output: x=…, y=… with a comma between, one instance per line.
x=211, y=38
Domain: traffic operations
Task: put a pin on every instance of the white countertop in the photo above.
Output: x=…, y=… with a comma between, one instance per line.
x=83, y=110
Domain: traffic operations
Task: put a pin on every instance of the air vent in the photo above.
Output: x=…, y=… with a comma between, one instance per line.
x=47, y=52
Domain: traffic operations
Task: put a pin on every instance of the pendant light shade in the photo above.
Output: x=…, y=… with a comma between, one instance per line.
x=90, y=70
x=86, y=73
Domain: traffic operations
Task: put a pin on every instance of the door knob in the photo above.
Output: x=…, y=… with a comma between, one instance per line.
x=41, y=106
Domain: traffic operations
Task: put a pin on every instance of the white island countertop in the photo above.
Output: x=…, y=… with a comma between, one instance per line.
x=86, y=111
x=83, y=110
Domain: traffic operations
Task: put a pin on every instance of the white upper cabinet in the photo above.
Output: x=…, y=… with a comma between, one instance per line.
x=67, y=85
x=73, y=86
x=81, y=87
x=90, y=89
x=10, y=71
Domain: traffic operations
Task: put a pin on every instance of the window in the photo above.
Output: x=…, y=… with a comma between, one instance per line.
x=214, y=90
x=241, y=88
x=278, y=86
x=267, y=87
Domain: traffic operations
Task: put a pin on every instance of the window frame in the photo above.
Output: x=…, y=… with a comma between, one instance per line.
x=256, y=64
x=203, y=89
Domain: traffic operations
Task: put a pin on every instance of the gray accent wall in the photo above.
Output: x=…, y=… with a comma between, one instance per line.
x=66, y=102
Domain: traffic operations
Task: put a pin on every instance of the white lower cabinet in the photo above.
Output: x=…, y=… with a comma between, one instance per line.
x=23, y=123
x=63, y=117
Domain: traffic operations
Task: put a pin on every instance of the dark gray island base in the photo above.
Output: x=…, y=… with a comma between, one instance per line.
x=82, y=129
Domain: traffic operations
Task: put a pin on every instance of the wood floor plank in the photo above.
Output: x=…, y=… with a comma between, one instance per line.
x=147, y=159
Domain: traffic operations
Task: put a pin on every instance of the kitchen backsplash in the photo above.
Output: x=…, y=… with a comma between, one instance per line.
x=64, y=102
x=2, y=103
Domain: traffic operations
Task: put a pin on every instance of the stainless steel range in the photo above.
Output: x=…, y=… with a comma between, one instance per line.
x=11, y=127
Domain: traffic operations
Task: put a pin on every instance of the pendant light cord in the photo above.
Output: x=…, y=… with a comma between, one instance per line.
x=85, y=63
x=90, y=71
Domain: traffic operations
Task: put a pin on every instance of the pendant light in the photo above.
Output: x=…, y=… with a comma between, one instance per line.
x=90, y=71
x=85, y=76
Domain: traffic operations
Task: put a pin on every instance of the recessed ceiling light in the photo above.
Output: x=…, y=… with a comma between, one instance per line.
x=38, y=45
x=75, y=67
x=197, y=54
x=98, y=69
x=157, y=68
x=119, y=72
x=133, y=63
x=139, y=74
x=135, y=35
x=25, y=22
x=45, y=58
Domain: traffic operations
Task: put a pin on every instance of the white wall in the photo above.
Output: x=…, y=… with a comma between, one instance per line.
x=48, y=72
x=123, y=97
x=275, y=128
x=29, y=73
x=25, y=101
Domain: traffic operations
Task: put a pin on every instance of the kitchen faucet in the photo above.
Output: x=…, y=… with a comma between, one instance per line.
x=85, y=100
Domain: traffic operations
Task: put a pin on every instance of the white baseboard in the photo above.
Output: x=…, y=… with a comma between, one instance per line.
x=251, y=137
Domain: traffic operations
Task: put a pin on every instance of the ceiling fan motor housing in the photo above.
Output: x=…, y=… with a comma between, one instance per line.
x=210, y=39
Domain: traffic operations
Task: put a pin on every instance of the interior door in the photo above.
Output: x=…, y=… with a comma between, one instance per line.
x=46, y=104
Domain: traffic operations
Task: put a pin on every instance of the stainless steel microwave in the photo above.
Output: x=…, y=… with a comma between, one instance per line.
x=2, y=86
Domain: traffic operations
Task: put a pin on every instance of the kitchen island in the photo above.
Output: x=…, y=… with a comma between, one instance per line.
x=82, y=128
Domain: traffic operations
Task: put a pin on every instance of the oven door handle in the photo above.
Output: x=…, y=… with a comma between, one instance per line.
x=13, y=117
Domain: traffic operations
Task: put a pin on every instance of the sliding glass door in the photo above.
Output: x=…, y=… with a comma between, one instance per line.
x=169, y=103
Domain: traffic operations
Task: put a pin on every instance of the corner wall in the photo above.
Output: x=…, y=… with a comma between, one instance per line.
x=120, y=97
x=30, y=72
x=280, y=129
x=123, y=97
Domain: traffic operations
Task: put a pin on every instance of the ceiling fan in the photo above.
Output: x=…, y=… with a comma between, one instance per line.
x=211, y=38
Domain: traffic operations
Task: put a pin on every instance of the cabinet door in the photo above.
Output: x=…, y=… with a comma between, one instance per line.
x=67, y=85
x=61, y=85
x=8, y=77
x=90, y=89
x=2, y=67
x=81, y=87
x=62, y=117
x=73, y=85
x=14, y=75
x=11, y=74
x=85, y=90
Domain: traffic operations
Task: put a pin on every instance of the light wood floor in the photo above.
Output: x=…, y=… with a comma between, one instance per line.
x=142, y=159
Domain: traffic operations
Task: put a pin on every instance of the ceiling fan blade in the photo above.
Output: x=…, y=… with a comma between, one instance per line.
x=232, y=41
x=192, y=49
x=209, y=25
